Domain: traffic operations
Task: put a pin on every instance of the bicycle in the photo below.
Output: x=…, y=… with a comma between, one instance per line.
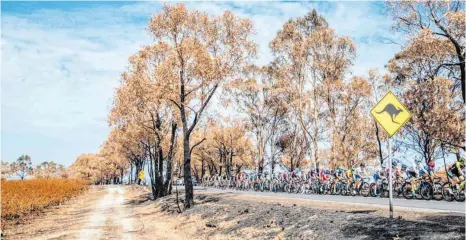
x=379, y=188
x=363, y=188
x=422, y=190
x=451, y=193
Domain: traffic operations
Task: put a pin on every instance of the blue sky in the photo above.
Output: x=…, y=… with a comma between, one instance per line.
x=61, y=61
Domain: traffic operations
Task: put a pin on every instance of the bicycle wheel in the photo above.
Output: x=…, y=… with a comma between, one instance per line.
x=256, y=187
x=352, y=189
x=344, y=189
x=327, y=189
x=385, y=192
x=364, y=189
x=437, y=191
x=297, y=189
x=331, y=187
x=339, y=188
x=397, y=190
x=317, y=188
x=460, y=196
x=407, y=190
x=426, y=191
x=447, y=192
x=373, y=190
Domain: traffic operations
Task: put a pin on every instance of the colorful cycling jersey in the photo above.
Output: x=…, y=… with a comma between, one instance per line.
x=420, y=169
x=349, y=173
x=456, y=168
x=338, y=172
x=379, y=174
x=403, y=173
x=360, y=172
x=323, y=176
x=428, y=170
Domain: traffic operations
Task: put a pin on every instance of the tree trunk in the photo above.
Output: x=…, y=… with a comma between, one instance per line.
x=131, y=174
x=160, y=173
x=272, y=156
x=212, y=170
x=202, y=169
x=463, y=73
x=168, y=180
x=230, y=162
x=121, y=176
x=316, y=128
x=189, y=192
x=138, y=168
x=152, y=175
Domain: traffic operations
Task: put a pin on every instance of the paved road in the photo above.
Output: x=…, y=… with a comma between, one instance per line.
x=458, y=207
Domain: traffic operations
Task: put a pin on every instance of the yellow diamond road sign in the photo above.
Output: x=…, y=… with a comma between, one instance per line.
x=390, y=113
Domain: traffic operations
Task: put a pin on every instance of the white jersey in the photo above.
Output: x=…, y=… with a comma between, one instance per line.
x=360, y=172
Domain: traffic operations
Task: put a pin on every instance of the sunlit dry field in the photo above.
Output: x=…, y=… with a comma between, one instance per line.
x=24, y=198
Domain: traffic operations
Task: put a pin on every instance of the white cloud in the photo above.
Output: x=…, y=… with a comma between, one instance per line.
x=60, y=68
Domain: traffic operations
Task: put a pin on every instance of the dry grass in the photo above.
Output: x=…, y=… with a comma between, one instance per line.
x=23, y=198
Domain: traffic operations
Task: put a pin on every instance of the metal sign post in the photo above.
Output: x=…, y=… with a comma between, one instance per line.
x=390, y=176
x=390, y=113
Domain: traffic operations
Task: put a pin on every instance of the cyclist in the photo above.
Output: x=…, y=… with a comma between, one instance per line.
x=360, y=173
x=283, y=176
x=419, y=168
x=395, y=170
x=429, y=169
x=313, y=176
x=415, y=171
x=349, y=174
x=455, y=171
x=338, y=175
x=339, y=172
x=380, y=174
x=403, y=173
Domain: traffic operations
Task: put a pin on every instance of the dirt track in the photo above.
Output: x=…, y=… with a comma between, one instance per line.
x=128, y=213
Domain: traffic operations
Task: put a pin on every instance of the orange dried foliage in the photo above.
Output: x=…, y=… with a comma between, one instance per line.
x=23, y=198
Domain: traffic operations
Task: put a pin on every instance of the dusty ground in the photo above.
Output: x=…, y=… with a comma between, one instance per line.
x=65, y=218
x=232, y=216
x=100, y=213
x=128, y=213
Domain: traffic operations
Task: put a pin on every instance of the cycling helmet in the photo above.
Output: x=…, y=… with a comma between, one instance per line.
x=362, y=165
x=431, y=164
x=404, y=166
x=394, y=164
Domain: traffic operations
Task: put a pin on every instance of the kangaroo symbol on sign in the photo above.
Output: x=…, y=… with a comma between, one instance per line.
x=392, y=111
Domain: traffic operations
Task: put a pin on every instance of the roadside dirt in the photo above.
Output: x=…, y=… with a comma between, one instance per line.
x=117, y=212
x=233, y=216
x=100, y=213
x=63, y=219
